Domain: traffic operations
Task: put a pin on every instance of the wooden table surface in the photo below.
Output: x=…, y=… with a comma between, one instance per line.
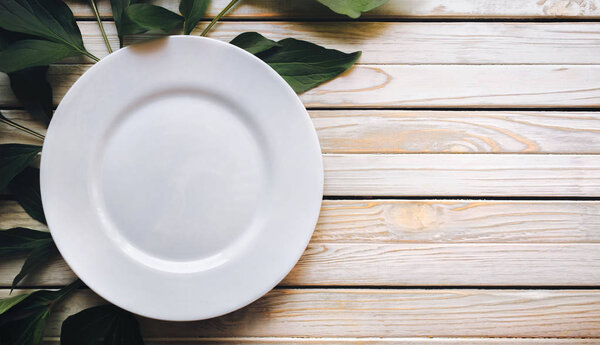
x=462, y=176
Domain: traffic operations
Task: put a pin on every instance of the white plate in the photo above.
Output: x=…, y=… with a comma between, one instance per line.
x=181, y=179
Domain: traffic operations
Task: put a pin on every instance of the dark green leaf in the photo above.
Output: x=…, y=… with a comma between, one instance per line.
x=352, y=8
x=21, y=239
x=40, y=255
x=32, y=89
x=23, y=317
x=305, y=65
x=26, y=331
x=26, y=187
x=30, y=85
x=152, y=17
x=253, y=42
x=101, y=325
x=14, y=158
x=50, y=19
x=30, y=53
x=123, y=24
x=192, y=11
x=7, y=303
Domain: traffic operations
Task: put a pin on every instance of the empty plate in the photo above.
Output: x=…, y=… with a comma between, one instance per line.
x=181, y=178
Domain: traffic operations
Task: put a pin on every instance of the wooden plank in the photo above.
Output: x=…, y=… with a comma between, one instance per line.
x=457, y=221
x=457, y=264
x=430, y=221
x=365, y=131
x=422, y=86
x=278, y=9
x=10, y=134
x=364, y=341
x=412, y=242
x=420, y=43
x=462, y=175
x=385, y=313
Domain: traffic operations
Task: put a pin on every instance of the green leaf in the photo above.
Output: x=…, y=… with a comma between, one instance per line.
x=27, y=331
x=30, y=53
x=29, y=85
x=7, y=303
x=101, y=325
x=152, y=17
x=50, y=19
x=123, y=24
x=32, y=89
x=305, y=65
x=352, y=8
x=23, y=317
x=14, y=158
x=21, y=239
x=253, y=42
x=192, y=11
x=42, y=253
x=26, y=187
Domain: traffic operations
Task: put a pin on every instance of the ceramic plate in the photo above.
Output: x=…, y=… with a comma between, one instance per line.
x=182, y=178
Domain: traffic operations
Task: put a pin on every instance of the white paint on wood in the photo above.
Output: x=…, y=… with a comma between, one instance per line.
x=412, y=43
x=457, y=221
x=455, y=264
x=269, y=9
x=462, y=175
x=363, y=131
x=397, y=243
x=362, y=341
x=384, y=313
x=422, y=86
x=430, y=221
x=367, y=131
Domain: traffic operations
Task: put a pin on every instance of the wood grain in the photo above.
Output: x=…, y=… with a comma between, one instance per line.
x=365, y=131
x=457, y=86
x=288, y=9
x=430, y=221
x=365, y=341
x=385, y=313
x=462, y=175
x=435, y=243
x=420, y=43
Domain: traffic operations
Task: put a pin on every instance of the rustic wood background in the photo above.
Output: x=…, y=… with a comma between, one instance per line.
x=462, y=177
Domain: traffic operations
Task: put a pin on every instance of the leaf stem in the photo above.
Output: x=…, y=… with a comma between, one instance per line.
x=22, y=128
x=95, y=9
x=88, y=54
x=219, y=16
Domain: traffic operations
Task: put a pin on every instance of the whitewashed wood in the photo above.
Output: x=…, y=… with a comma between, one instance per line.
x=422, y=86
x=393, y=243
x=367, y=131
x=457, y=264
x=462, y=175
x=457, y=221
x=361, y=131
x=413, y=43
x=393, y=9
x=385, y=313
x=364, y=341
x=472, y=264
x=430, y=221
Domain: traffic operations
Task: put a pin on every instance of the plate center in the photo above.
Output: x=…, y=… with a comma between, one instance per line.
x=182, y=175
